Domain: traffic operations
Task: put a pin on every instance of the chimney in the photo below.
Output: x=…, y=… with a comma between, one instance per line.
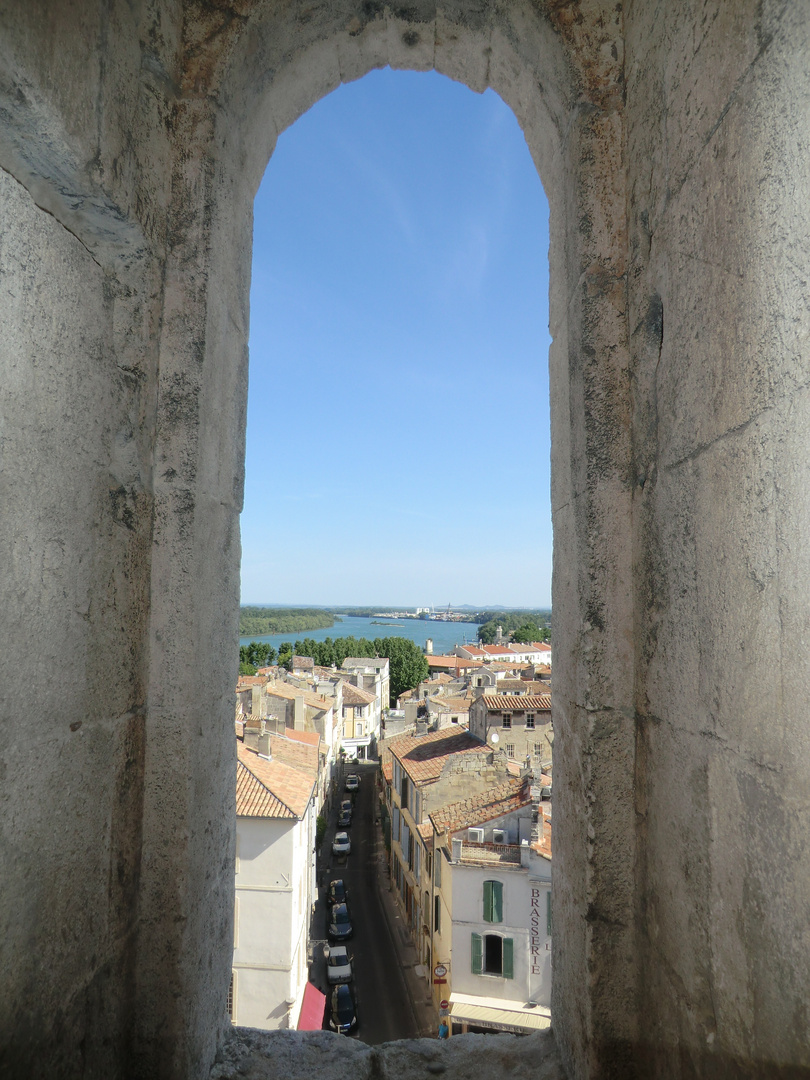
x=457, y=845
x=298, y=713
x=251, y=739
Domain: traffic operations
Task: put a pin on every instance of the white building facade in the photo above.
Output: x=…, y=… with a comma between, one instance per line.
x=275, y=889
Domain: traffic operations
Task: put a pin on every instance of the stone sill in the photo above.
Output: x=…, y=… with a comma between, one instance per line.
x=249, y=1054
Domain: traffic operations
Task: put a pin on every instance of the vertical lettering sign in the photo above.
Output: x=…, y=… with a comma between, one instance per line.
x=536, y=935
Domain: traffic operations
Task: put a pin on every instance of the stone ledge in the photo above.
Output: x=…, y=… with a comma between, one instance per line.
x=249, y=1054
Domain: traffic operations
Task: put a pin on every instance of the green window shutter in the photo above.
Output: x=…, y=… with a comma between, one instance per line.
x=488, y=901
x=493, y=901
x=476, y=952
x=548, y=912
x=497, y=901
x=508, y=958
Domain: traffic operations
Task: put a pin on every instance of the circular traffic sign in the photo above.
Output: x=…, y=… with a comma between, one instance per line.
x=440, y=971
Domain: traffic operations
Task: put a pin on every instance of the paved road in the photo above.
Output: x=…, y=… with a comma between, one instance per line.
x=384, y=1008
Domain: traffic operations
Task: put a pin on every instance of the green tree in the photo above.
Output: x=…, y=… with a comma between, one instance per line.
x=526, y=633
x=285, y=655
x=408, y=666
x=246, y=669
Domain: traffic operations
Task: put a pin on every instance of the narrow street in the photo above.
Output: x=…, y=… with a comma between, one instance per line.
x=384, y=1008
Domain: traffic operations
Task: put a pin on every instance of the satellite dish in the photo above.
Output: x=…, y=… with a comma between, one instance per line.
x=494, y=738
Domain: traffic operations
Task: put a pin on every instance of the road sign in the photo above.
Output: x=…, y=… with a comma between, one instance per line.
x=444, y=1008
x=440, y=971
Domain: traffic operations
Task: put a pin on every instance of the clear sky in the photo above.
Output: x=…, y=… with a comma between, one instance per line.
x=398, y=431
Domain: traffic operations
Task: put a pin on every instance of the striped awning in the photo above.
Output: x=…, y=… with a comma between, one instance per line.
x=497, y=1015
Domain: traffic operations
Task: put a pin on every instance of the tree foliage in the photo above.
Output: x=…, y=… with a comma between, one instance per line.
x=257, y=654
x=513, y=622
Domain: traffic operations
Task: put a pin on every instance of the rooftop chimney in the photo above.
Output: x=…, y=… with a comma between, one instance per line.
x=457, y=844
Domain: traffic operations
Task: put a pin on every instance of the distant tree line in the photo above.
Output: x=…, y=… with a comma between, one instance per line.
x=259, y=620
x=524, y=626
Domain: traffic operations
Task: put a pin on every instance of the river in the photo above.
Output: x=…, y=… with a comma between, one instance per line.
x=445, y=635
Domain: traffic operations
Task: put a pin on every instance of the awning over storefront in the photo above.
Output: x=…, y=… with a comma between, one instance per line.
x=312, y=1009
x=514, y=1016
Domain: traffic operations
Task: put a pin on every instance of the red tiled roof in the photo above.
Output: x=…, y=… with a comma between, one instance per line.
x=453, y=704
x=289, y=693
x=498, y=650
x=388, y=770
x=311, y=737
x=424, y=757
x=496, y=802
x=353, y=695
x=541, y=646
x=501, y=665
x=452, y=662
x=245, y=682
x=269, y=789
x=300, y=755
x=517, y=702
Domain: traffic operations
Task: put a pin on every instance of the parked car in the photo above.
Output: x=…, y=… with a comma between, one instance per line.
x=345, y=819
x=337, y=893
x=343, y=1014
x=346, y=804
x=352, y=782
x=339, y=965
x=341, y=845
x=340, y=923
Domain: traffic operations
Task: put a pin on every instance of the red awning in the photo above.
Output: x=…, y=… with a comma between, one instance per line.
x=312, y=1009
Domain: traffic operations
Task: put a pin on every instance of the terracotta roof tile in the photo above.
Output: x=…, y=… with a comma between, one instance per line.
x=453, y=704
x=269, y=788
x=311, y=737
x=496, y=802
x=289, y=751
x=353, y=695
x=315, y=701
x=424, y=757
x=517, y=702
x=452, y=662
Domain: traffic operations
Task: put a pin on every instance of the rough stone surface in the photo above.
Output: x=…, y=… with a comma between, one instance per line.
x=262, y=1055
x=671, y=138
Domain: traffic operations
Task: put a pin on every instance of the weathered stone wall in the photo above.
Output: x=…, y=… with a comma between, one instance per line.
x=718, y=123
x=671, y=142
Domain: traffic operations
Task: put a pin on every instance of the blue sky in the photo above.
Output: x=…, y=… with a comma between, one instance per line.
x=398, y=432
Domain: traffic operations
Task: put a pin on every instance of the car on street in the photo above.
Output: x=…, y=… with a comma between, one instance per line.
x=346, y=804
x=352, y=782
x=337, y=893
x=341, y=845
x=342, y=1015
x=340, y=923
x=339, y=965
x=345, y=819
